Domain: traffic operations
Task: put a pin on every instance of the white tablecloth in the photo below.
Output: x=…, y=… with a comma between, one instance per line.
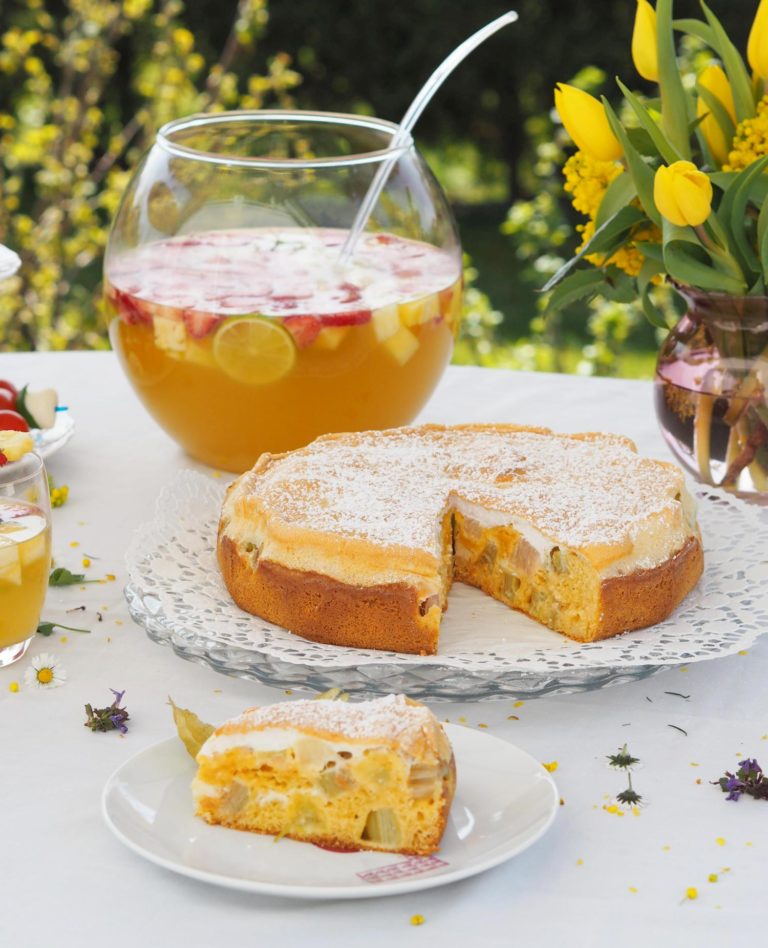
x=595, y=879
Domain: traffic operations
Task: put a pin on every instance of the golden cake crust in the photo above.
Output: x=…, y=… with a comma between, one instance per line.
x=341, y=541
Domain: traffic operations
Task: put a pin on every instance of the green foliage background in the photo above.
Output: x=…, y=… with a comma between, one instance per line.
x=84, y=84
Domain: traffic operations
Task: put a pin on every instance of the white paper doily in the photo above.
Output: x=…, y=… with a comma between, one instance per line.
x=486, y=650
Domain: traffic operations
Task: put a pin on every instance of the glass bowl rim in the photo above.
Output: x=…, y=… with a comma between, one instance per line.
x=201, y=119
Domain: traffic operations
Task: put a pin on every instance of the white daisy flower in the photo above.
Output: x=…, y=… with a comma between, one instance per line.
x=45, y=672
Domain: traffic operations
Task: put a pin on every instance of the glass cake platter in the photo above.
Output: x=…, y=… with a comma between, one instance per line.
x=486, y=651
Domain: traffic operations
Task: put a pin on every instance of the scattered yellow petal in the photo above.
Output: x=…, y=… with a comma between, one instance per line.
x=482, y=725
x=747, y=844
x=462, y=719
x=712, y=877
x=63, y=639
x=216, y=474
x=111, y=577
x=698, y=780
x=683, y=669
x=417, y=919
x=632, y=889
x=694, y=764
x=118, y=621
x=518, y=704
x=512, y=717
x=562, y=802
x=551, y=766
x=86, y=562
x=726, y=869
x=692, y=893
x=635, y=811
x=613, y=808
x=579, y=862
x=666, y=849
x=217, y=691
x=14, y=686
x=744, y=651
x=289, y=691
x=720, y=841
x=74, y=543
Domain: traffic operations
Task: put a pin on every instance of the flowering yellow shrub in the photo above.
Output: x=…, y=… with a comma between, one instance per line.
x=67, y=140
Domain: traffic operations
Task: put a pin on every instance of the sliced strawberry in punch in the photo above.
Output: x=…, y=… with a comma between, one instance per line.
x=129, y=309
x=304, y=329
x=353, y=318
x=198, y=323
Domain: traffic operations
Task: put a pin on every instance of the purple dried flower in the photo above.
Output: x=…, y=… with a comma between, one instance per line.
x=112, y=718
x=749, y=779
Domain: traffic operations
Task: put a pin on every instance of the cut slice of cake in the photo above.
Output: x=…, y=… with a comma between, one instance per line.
x=355, y=539
x=369, y=775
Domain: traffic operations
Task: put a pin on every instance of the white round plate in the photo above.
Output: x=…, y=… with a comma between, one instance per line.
x=504, y=802
x=49, y=440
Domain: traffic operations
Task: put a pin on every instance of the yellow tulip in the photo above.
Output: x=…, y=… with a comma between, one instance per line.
x=757, y=44
x=644, y=50
x=715, y=81
x=585, y=121
x=682, y=193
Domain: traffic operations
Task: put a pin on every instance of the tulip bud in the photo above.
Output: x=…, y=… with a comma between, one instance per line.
x=585, y=121
x=682, y=193
x=644, y=49
x=757, y=44
x=715, y=81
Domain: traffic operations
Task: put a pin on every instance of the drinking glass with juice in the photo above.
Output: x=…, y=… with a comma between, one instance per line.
x=234, y=317
x=25, y=553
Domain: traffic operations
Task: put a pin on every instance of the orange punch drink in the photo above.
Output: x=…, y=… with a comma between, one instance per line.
x=256, y=339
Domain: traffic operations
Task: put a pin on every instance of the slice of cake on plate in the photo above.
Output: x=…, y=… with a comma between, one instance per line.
x=376, y=775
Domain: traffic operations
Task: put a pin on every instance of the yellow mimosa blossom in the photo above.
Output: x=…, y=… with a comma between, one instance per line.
x=751, y=139
x=585, y=121
x=587, y=179
x=644, y=49
x=682, y=193
x=757, y=44
x=714, y=80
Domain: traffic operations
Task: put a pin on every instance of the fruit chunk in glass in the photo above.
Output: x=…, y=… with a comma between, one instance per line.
x=253, y=340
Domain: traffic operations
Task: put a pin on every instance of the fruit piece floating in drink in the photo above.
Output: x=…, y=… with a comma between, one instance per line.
x=257, y=339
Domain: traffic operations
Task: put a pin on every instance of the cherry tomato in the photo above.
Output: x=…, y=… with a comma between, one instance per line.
x=7, y=401
x=9, y=387
x=12, y=421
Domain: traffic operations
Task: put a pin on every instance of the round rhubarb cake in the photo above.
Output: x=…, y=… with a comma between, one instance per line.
x=355, y=539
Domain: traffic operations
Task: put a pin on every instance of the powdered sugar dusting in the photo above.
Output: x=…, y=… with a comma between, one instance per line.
x=392, y=487
x=386, y=719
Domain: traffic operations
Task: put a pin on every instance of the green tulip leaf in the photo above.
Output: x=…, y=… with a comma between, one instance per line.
x=687, y=261
x=642, y=173
x=762, y=240
x=576, y=286
x=653, y=251
x=696, y=28
x=642, y=142
x=606, y=239
x=733, y=64
x=663, y=146
x=618, y=194
x=674, y=101
x=732, y=212
x=619, y=286
x=648, y=271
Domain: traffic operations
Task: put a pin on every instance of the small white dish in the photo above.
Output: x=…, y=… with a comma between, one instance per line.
x=49, y=440
x=504, y=802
